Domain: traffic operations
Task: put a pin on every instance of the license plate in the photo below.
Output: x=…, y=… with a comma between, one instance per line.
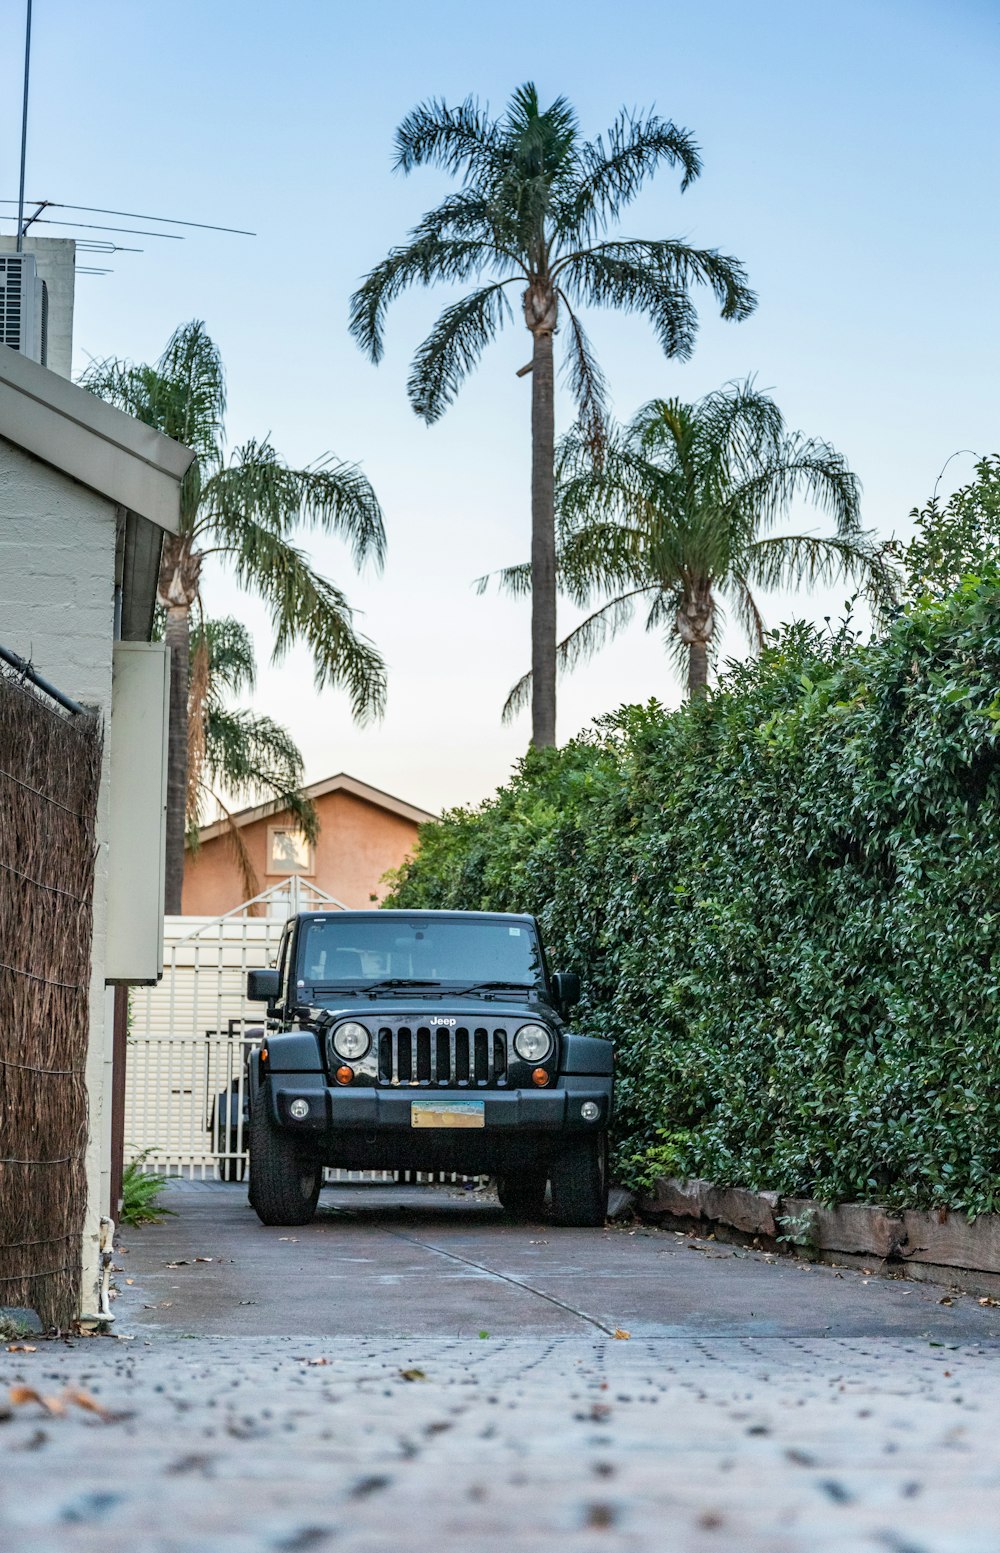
x=447, y=1113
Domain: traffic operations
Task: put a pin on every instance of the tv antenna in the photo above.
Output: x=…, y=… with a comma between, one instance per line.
x=92, y=245
x=24, y=126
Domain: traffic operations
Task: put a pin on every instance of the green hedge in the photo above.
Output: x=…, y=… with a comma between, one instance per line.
x=784, y=904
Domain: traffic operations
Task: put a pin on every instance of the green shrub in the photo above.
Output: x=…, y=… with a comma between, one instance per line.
x=784, y=905
x=140, y=1194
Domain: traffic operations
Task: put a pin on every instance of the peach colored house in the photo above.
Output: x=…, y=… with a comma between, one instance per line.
x=363, y=832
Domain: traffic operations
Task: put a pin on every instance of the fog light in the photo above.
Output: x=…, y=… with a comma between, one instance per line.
x=299, y=1109
x=344, y=1075
x=590, y=1111
x=539, y=1077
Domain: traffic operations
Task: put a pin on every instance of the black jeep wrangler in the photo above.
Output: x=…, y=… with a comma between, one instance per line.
x=425, y=1040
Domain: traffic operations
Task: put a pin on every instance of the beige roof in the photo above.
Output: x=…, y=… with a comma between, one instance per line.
x=341, y=783
x=74, y=431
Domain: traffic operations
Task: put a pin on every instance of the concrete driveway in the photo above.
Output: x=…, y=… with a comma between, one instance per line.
x=413, y=1372
x=442, y=1262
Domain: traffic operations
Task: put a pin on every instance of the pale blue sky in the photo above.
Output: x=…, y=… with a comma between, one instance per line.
x=850, y=156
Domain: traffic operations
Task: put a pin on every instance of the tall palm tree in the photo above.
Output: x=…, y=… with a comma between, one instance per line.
x=245, y=505
x=681, y=509
x=535, y=199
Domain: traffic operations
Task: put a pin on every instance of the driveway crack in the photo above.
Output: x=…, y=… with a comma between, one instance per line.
x=517, y=1283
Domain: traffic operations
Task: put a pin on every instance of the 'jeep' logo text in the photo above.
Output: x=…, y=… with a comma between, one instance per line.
x=437, y=1021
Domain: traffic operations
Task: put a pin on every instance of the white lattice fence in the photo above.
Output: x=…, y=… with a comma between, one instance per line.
x=188, y=1035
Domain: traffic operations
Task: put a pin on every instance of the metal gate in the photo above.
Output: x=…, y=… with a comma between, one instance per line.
x=184, y=1091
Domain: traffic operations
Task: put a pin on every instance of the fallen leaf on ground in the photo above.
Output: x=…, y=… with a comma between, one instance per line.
x=412, y=1375
x=621, y=1334
x=19, y=1395
x=203, y=1259
x=946, y=1299
x=988, y=1299
x=88, y=1403
x=183, y=1262
x=130, y=1280
x=317, y=1361
x=21, y=1348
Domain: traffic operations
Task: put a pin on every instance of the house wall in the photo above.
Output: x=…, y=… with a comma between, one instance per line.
x=57, y=561
x=358, y=842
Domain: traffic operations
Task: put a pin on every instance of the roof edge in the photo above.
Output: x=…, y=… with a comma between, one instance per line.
x=341, y=783
x=92, y=442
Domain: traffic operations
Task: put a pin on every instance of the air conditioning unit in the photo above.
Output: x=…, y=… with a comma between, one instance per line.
x=23, y=306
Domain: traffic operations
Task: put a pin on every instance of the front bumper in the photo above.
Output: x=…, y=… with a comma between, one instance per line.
x=372, y=1111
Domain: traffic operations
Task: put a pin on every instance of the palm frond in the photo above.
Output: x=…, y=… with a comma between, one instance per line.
x=797, y=560
x=238, y=847
x=454, y=347
x=799, y=465
x=462, y=140
x=469, y=215
x=616, y=488
x=513, y=580
x=602, y=557
x=183, y=395
x=195, y=406
x=730, y=429
x=659, y=272
x=256, y=760
x=425, y=260
x=582, y=643
x=308, y=608
x=259, y=488
x=230, y=655
x=588, y=386
x=748, y=611
x=614, y=173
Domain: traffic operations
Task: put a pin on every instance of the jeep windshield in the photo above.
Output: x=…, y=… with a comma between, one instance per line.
x=394, y=954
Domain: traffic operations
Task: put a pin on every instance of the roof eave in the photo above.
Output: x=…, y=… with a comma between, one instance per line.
x=92, y=442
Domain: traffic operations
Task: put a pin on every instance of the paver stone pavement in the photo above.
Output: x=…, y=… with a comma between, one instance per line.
x=412, y=1370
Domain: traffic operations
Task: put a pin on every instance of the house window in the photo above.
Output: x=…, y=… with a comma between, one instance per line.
x=288, y=852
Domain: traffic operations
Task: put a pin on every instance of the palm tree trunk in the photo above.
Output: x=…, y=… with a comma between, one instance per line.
x=695, y=625
x=543, y=544
x=178, y=638
x=697, y=669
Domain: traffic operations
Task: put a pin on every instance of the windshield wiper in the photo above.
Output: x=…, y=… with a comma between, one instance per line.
x=497, y=986
x=398, y=981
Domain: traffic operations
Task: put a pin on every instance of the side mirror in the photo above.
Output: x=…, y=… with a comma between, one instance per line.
x=566, y=986
x=263, y=986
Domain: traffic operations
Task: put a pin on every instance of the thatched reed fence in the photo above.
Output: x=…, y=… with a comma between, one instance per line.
x=50, y=766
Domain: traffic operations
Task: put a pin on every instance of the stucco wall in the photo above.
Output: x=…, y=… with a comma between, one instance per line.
x=358, y=842
x=57, y=557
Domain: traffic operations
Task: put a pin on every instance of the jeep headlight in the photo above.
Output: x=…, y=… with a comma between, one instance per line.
x=533, y=1043
x=351, y=1041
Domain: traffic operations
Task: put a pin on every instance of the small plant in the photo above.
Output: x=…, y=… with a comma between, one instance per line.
x=11, y=1329
x=800, y=1232
x=140, y=1193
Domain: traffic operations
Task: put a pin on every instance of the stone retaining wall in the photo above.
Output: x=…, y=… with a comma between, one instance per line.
x=935, y=1246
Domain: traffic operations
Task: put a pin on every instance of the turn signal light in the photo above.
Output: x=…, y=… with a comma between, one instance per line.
x=344, y=1075
x=540, y=1077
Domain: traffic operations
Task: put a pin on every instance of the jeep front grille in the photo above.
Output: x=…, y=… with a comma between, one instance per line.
x=457, y=1056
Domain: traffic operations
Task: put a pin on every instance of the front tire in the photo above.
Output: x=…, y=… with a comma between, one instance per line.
x=284, y=1185
x=579, y=1176
x=523, y=1196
